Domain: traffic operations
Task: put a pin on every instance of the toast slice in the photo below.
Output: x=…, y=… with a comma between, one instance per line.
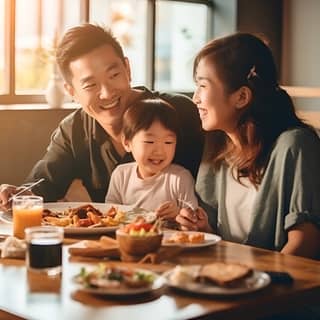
x=224, y=274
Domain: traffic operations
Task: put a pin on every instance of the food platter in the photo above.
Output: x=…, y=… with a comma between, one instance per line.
x=209, y=239
x=256, y=281
x=158, y=282
x=130, y=214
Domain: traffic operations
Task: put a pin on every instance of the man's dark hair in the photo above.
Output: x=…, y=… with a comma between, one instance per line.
x=80, y=40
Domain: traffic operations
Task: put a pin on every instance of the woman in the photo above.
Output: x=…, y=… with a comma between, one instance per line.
x=259, y=180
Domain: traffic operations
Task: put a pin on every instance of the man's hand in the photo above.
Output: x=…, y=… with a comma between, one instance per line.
x=168, y=210
x=7, y=191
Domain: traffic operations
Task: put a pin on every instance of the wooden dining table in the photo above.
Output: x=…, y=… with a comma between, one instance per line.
x=25, y=296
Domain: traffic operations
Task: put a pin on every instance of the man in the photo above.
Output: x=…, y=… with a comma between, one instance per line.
x=87, y=145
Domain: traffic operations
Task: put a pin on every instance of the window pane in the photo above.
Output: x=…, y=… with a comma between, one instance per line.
x=177, y=42
x=70, y=13
x=36, y=36
x=2, y=27
x=127, y=20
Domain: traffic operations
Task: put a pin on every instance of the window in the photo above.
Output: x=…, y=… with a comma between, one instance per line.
x=127, y=20
x=156, y=35
x=177, y=40
x=2, y=46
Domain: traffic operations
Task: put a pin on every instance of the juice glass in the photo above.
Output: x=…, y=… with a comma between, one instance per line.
x=27, y=212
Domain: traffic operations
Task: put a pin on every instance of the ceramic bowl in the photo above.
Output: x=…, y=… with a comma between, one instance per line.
x=138, y=245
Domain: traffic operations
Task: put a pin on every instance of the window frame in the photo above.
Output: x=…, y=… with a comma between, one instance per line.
x=11, y=97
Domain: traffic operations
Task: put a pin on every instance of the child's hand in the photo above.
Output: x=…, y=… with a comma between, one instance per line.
x=168, y=210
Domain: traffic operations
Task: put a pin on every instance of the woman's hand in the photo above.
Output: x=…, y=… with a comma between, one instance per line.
x=193, y=220
x=303, y=240
x=168, y=210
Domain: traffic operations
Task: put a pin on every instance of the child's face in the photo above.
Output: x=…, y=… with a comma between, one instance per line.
x=153, y=149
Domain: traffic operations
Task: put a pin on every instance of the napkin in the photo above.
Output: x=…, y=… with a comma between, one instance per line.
x=13, y=247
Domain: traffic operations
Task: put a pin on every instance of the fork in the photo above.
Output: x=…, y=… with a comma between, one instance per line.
x=187, y=204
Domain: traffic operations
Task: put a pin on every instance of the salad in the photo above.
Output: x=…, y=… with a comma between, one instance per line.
x=108, y=276
x=140, y=227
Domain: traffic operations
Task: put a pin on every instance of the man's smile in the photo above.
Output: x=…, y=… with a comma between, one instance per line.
x=110, y=105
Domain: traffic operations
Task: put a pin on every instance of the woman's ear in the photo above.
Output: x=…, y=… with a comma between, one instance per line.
x=243, y=97
x=126, y=143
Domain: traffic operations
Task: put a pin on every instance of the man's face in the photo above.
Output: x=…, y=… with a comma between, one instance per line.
x=100, y=82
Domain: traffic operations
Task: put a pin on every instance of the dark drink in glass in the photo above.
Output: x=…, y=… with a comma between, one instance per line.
x=45, y=254
x=44, y=249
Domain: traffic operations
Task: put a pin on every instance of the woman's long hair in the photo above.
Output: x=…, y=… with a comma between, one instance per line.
x=240, y=60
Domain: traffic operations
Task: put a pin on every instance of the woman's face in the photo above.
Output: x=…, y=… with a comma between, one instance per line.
x=217, y=109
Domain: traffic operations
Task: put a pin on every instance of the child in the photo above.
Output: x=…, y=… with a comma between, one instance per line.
x=152, y=182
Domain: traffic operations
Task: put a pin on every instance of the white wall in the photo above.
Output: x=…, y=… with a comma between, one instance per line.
x=24, y=137
x=301, y=48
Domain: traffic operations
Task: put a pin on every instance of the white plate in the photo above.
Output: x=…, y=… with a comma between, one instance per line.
x=131, y=213
x=6, y=216
x=256, y=281
x=209, y=240
x=158, y=283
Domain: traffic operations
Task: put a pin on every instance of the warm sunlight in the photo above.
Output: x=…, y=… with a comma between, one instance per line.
x=26, y=64
x=2, y=46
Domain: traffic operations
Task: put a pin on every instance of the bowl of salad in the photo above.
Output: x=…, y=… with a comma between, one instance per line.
x=139, y=238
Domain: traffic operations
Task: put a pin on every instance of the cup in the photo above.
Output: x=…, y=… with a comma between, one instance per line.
x=27, y=212
x=44, y=249
x=43, y=288
x=42, y=283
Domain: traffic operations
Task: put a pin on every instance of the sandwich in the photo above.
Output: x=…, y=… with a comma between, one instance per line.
x=224, y=274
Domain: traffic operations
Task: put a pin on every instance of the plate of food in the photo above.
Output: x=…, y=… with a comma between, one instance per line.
x=88, y=218
x=107, y=279
x=6, y=216
x=189, y=239
x=218, y=278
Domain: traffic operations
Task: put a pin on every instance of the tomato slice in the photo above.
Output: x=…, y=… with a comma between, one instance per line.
x=145, y=226
x=138, y=227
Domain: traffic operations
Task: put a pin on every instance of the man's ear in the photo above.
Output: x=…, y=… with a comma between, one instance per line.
x=126, y=143
x=127, y=66
x=69, y=89
x=243, y=97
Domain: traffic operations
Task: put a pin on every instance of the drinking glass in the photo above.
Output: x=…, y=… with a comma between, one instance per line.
x=27, y=212
x=44, y=249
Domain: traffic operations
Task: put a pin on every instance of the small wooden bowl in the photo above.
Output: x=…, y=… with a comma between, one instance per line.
x=138, y=246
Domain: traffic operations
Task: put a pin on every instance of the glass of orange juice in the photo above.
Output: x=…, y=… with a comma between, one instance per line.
x=27, y=212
